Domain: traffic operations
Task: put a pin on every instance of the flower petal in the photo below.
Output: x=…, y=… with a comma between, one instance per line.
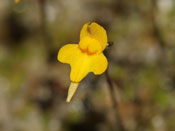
x=79, y=62
x=85, y=64
x=80, y=67
x=94, y=31
x=68, y=53
x=99, y=64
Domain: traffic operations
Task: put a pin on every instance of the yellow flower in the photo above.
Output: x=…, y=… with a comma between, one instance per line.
x=85, y=57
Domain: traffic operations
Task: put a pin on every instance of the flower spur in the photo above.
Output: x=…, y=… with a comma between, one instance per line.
x=85, y=57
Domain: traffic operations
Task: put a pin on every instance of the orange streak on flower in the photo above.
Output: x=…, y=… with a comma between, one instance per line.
x=87, y=51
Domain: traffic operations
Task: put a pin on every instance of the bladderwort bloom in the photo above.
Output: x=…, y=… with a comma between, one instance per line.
x=86, y=56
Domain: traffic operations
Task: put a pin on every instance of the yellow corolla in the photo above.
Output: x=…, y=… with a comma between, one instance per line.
x=85, y=57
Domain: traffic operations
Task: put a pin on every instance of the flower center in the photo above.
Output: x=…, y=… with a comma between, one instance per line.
x=90, y=46
x=88, y=51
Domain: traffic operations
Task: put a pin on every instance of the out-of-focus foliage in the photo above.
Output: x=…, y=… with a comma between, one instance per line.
x=33, y=84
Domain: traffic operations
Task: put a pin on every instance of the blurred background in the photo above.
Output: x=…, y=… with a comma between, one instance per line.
x=137, y=93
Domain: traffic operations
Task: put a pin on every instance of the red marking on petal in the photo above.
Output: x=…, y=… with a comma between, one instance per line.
x=87, y=51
